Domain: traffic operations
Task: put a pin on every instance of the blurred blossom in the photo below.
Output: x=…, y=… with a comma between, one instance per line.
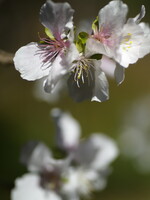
x=84, y=169
x=135, y=135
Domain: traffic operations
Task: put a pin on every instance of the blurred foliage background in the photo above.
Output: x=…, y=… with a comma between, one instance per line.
x=24, y=118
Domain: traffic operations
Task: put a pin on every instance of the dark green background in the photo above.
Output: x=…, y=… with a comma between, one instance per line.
x=23, y=118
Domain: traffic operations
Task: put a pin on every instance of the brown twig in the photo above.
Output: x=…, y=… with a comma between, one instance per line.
x=6, y=58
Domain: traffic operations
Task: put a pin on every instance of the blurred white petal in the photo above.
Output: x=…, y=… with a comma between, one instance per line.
x=54, y=97
x=67, y=130
x=134, y=137
x=28, y=188
x=81, y=182
x=97, y=152
x=40, y=158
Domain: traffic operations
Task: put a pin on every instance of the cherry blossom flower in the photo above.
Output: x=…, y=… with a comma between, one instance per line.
x=118, y=40
x=46, y=58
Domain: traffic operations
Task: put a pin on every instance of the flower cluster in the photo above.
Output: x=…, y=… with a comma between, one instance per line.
x=84, y=61
x=83, y=170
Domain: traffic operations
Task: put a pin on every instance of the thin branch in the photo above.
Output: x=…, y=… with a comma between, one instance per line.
x=6, y=58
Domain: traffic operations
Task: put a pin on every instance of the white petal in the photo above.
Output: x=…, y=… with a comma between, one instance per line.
x=71, y=55
x=77, y=184
x=93, y=46
x=60, y=67
x=57, y=71
x=55, y=16
x=108, y=66
x=138, y=18
x=101, y=87
x=119, y=74
x=113, y=15
x=145, y=45
x=81, y=182
x=97, y=152
x=67, y=130
x=129, y=51
x=28, y=188
x=40, y=158
x=28, y=62
x=108, y=150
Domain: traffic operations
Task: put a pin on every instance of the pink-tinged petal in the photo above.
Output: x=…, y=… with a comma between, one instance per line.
x=101, y=87
x=113, y=15
x=108, y=66
x=67, y=130
x=55, y=16
x=29, y=63
x=28, y=187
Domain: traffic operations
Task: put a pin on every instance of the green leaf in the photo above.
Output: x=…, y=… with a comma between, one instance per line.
x=49, y=34
x=96, y=56
x=80, y=46
x=83, y=36
x=95, y=25
x=81, y=41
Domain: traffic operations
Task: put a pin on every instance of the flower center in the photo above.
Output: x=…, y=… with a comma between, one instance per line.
x=82, y=70
x=103, y=35
x=50, y=49
x=126, y=43
x=50, y=180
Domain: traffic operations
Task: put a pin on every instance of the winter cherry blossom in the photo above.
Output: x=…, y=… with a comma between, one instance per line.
x=118, y=40
x=84, y=169
x=47, y=58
